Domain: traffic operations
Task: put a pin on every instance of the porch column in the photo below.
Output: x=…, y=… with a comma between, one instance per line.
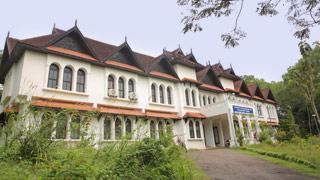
x=257, y=126
x=233, y=137
x=240, y=125
x=221, y=133
x=250, y=129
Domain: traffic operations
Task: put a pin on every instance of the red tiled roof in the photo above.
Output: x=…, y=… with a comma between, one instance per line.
x=191, y=80
x=211, y=87
x=59, y=103
x=162, y=114
x=72, y=53
x=120, y=110
x=163, y=75
x=194, y=115
x=122, y=65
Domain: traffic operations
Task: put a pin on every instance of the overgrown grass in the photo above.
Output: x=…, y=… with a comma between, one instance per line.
x=146, y=159
x=305, y=149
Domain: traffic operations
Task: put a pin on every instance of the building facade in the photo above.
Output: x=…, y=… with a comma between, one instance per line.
x=137, y=94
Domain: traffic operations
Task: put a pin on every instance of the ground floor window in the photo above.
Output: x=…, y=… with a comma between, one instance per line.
x=107, y=129
x=61, y=127
x=116, y=127
x=194, y=128
x=75, y=127
x=159, y=128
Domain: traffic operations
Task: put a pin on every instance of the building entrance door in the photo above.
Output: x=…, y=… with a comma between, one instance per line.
x=216, y=135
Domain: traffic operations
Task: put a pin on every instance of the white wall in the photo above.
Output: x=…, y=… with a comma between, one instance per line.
x=226, y=83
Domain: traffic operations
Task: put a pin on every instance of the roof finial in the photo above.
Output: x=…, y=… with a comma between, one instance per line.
x=231, y=66
x=8, y=35
x=76, y=23
x=179, y=46
x=54, y=25
x=125, y=38
x=191, y=51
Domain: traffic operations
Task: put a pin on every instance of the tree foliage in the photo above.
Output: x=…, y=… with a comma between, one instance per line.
x=302, y=14
x=298, y=90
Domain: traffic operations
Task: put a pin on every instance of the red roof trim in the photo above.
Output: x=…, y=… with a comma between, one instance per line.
x=191, y=80
x=210, y=87
x=194, y=115
x=72, y=53
x=163, y=75
x=122, y=65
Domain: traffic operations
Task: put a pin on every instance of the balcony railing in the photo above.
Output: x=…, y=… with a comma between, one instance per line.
x=214, y=109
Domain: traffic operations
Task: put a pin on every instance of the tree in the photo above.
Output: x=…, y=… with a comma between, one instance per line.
x=303, y=14
x=305, y=76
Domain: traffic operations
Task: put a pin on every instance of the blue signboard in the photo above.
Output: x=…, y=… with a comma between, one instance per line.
x=242, y=110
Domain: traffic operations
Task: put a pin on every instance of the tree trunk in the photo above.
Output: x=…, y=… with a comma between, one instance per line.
x=314, y=108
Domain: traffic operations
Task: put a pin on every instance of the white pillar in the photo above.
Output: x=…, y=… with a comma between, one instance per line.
x=233, y=137
x=240, y=125
x=221, y=133
x=251, y=139
x=74, y=80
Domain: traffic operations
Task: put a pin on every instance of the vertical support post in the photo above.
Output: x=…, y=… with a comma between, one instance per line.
x=233, y=137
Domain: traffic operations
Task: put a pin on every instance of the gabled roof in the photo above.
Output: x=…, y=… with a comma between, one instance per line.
x=226, y=73
x=80, y=40
x=255, y=92
x=208, y=76
x=241, y=87
x=178, y=58
x=125, y=55
x=191, y=57
x=268, y=96
x=162, y=68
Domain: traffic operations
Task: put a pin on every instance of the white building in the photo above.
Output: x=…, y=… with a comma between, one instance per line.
x=133, y=92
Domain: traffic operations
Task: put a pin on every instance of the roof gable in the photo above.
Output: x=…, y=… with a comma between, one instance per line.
x=208, y=76
x=161, y=64
x=268, y=95
x=241, y=87
x=72, y=40
x=125, y=55
x=191, y=57
x=255, y=91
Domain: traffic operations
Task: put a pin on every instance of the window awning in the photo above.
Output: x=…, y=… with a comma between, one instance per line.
x=59, y=103
x=120, y=110
x=162, y=114
x=194, y=115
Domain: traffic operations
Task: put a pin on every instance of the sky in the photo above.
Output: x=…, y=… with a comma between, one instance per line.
x=150, y=26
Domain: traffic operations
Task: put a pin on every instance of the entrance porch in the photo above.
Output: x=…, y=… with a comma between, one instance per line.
x=217, y=132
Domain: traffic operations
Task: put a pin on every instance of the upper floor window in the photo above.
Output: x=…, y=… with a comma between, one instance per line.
x=121, y=87
x=169, y=95
x=131, y=86
x=259, y=110
x=53, y=76
x=110, y=82
x=204, y=100
x=209, y=100
x=81, y=80
x=187, y=97
x=161, y=95
x=153, y=93
x=67, y=79
x=193, y=96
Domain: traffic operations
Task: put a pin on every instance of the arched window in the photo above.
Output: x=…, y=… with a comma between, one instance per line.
x=198, y=129
x=121, y=87
x=107, y=129
x=118, y=128
x=193, y=96
x=131, y=86
x=110, y=82
x=128, y=128
x=161, y=94
x=191, y=129
x=169, y=96
x=153, y=93
x=213, y=100
x=81, y=80
x=160, y=128
x=204, y=100
x=187, y=97
x=67, y=79
x=209, y=100
x=152, y=129
x=53, y=76
x=75, y=127
x=61, y=127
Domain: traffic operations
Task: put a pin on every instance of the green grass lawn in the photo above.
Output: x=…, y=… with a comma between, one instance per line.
x=308, y=150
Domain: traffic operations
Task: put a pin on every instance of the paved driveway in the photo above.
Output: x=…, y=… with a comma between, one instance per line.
x=227, y=164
